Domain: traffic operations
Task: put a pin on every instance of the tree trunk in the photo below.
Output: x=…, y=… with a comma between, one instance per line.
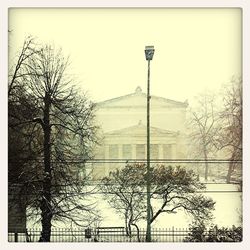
x=138, y=232
x=206, y=163
x=206, y=170
x=230, y=169
x=126, y=224
x=46, y=209
x=129, y=231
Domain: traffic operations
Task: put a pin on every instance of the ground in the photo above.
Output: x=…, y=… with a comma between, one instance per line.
x=228, y=210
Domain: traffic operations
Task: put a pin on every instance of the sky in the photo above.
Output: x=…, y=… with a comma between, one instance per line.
x=195, y=49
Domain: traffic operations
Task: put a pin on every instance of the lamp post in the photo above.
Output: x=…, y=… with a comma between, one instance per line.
x=149, y=52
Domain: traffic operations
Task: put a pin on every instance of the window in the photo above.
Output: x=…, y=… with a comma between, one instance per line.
x=140, y=151
x=113, y=151
x=126, y=151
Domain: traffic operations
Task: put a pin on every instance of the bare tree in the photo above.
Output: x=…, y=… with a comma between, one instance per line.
x=230, y=117
x=203, y=126
x=22, y=150
x=124, y=191
x=17, y=71
x=65, y=135
x=175, y=187
x=218, y=131
x=179, y=189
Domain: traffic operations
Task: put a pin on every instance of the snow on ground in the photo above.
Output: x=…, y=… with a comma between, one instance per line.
x=227, y=212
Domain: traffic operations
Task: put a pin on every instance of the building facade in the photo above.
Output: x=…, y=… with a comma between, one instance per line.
x=124, y=132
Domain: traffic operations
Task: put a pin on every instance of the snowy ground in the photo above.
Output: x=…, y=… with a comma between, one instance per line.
x=228, y=209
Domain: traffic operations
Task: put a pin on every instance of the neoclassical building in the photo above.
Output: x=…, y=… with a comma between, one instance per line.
x=123, y=126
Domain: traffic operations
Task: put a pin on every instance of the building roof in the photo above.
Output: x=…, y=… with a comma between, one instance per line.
x=138, y=99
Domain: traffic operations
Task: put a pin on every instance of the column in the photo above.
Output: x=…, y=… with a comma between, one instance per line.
x=133, y=148
x=120, y=156
x=173, y=151
x=160, y=151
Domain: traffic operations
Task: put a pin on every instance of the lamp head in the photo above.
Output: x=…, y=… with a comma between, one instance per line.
x=149, y=52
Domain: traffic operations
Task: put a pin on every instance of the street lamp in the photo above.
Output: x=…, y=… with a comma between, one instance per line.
x=149, y=52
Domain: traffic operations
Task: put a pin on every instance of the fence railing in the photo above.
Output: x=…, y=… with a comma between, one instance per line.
x=119, y=234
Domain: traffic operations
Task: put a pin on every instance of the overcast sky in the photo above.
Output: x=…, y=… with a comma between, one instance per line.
x=195, y=49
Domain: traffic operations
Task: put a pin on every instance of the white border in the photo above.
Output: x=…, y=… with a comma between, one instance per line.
x=245, y=5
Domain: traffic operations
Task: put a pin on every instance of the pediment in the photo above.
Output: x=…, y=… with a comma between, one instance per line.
x=139, y=99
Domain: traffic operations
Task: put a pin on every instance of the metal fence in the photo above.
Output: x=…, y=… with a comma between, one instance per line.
x=118, y=234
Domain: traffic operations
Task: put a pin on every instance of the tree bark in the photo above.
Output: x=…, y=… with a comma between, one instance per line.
x=138, y=232
x=46, y=209
x=230, y=168
x=206, y=163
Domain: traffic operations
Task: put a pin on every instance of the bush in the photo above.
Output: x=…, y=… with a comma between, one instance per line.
x=199, y=233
